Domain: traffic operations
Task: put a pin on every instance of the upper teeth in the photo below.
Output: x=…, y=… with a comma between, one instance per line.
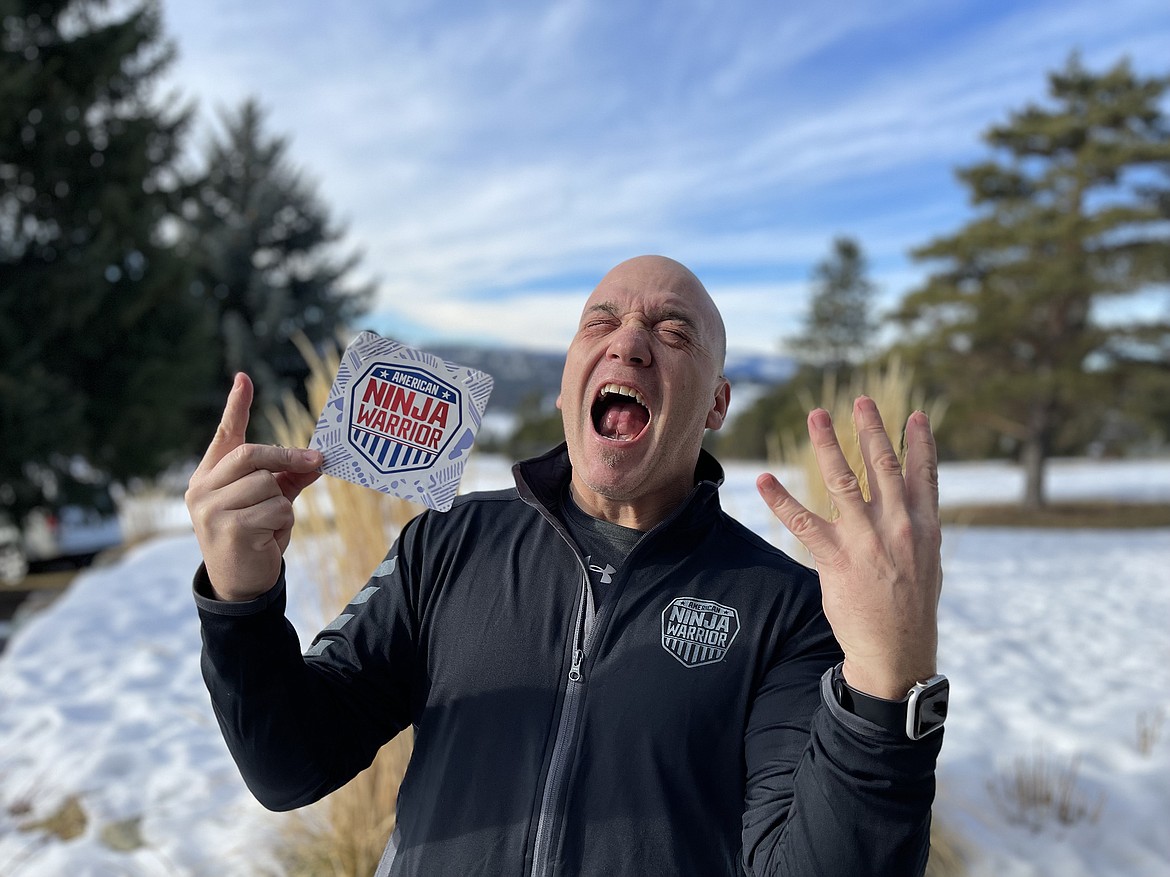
x=609, y=389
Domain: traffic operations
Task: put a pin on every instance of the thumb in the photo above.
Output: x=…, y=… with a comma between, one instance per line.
x=234, y=423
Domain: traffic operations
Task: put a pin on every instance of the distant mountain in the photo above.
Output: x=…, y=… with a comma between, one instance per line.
x=767, y=369
x=521, y=373
x=518, y=373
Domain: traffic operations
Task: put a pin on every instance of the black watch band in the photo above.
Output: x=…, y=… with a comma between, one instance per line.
x=922, y=711
x=888, y=714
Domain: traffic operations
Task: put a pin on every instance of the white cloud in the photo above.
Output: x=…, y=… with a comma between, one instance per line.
x=503, y=149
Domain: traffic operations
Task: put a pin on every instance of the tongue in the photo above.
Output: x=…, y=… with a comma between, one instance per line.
x=623, y=420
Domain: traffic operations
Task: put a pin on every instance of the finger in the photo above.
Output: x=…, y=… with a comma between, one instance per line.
x=253, y=489
x=921, y=467
x=268, y=517
x=881, y=460
x=836, y=472
x=810, y=529
x=246, y=459
x=229, y=435
x=292, y=483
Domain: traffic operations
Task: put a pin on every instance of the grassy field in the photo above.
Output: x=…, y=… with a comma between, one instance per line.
x=1062, y=515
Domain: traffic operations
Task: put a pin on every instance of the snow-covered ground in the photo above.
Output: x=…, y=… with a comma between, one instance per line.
x=1057, y=644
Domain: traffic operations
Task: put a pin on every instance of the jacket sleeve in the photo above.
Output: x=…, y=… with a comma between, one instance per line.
x=301, y=725
x=829, y=793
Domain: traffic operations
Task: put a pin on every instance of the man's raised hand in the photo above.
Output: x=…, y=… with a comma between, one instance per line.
x=240, y=499
x=879, y=562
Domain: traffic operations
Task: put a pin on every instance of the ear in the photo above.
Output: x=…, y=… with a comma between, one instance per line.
x=718, y=413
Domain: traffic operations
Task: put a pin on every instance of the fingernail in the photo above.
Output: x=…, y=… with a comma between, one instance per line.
x=820, y=419
x=313, y=458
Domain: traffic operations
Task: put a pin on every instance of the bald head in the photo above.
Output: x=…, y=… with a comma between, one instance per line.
x=643, y=381
x=660, y=272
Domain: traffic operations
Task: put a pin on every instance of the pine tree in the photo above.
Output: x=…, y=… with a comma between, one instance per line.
x=839, y=328
x=100, y=342
x=1005, y=325
x=837, y=335
x=539, y=426
x=266, y=255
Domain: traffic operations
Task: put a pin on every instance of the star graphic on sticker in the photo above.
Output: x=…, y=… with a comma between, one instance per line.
x=384, y=373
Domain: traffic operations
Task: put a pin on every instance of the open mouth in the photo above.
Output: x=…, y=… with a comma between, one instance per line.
x=620, y=413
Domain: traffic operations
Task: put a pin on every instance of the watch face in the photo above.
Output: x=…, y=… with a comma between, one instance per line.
x=929, y=709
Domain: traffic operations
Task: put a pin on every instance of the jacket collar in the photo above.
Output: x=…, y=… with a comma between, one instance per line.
x=541, y=481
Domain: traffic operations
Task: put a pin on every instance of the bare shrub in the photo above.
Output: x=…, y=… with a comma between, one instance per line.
x=343, y=531
x=148, y=507
x=123, y=836
x=1149, y=729
x=1043, y=788
x=67, y=821
x=948, y=853
x=140, y=512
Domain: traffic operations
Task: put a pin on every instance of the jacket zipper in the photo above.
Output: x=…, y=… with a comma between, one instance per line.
x=553, y=795
x=552, y=799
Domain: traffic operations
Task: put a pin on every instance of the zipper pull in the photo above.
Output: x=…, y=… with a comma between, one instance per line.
x=575, y=670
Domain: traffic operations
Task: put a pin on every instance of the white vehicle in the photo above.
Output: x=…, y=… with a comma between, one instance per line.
x=70, y=532
x=77, y=520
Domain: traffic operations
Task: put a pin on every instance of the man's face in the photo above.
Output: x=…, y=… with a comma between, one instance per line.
x=642, y=381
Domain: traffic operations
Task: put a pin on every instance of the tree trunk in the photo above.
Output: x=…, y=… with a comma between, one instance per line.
x=1032, y=460
x=1034, y=454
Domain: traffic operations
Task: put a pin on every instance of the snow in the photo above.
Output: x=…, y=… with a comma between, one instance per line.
x=1057, y=644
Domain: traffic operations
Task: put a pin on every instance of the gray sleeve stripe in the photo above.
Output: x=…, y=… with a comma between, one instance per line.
x=364, y=595
x=388, y=855
x=386, y=567
x=339, y=622
x=318, y=647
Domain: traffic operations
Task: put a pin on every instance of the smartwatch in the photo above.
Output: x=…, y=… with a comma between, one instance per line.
x=921, y=712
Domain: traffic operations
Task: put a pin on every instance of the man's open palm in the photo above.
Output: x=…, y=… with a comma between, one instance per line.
x=879, y=562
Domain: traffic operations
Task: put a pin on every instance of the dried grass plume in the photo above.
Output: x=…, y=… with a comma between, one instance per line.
x=342, y=533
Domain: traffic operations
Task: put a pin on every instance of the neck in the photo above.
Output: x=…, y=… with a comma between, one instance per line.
x=640, y=513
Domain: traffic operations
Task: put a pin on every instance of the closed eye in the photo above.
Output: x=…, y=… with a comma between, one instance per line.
x=674, y=334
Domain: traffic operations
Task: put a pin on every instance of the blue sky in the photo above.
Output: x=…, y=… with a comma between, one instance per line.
x=493, y=160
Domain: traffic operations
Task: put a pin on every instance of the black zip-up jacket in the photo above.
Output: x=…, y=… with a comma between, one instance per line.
x=682, y=727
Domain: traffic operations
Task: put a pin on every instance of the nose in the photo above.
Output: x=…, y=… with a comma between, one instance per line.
x=630, y=345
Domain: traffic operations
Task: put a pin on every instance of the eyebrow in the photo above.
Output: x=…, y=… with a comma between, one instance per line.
x=605, y=307
x=610, y=308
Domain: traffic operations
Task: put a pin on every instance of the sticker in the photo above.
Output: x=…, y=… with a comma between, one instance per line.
x=401, y=421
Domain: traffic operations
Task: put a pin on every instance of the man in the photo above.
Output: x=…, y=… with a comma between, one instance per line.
x=605, y=673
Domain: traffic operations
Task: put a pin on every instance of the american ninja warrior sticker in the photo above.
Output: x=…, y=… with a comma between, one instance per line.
x=401, y=421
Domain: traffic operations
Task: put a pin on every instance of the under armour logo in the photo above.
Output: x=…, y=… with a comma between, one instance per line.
x=606, y=574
